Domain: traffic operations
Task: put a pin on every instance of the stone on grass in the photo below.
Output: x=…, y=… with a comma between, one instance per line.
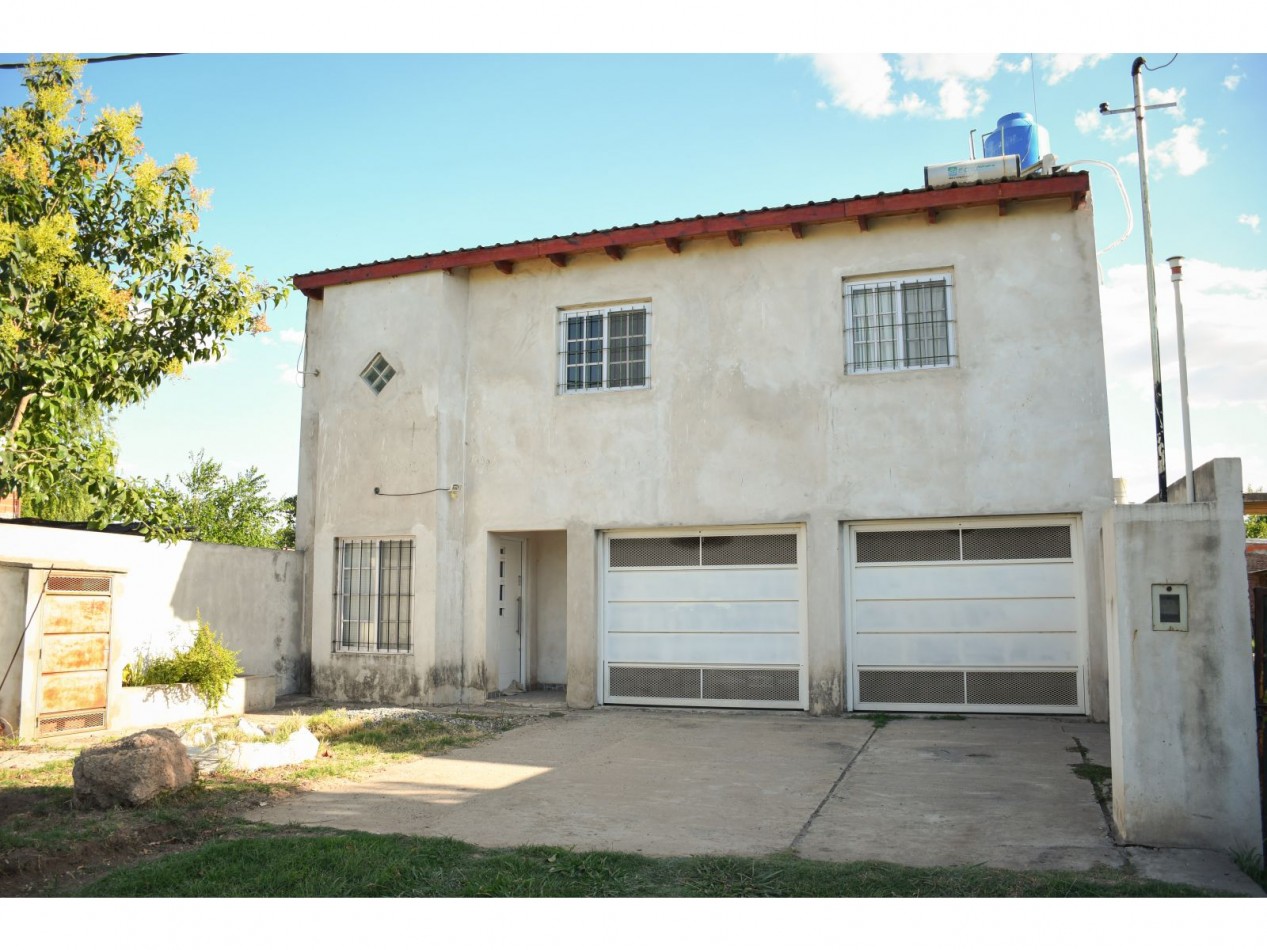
x=300, y=746
x=249, y=728
x=132, y=770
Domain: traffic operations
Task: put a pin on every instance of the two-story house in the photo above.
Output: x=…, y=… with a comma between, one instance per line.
x=850, y=454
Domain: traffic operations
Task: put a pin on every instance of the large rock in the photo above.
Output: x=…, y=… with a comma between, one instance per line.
x=132, y=770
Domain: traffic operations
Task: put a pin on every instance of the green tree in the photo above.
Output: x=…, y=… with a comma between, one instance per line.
x=1255, y=525
x=104, y=291
x=286, y=533
x=208, y=505
x=88, y=430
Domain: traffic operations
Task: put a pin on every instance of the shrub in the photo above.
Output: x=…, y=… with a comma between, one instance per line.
x=208, y=666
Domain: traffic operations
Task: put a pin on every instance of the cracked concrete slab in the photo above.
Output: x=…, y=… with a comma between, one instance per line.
x=998, y=791
x=995, y=791
x=650, y=781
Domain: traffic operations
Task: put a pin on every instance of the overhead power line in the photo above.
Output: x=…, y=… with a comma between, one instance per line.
x=100, y=59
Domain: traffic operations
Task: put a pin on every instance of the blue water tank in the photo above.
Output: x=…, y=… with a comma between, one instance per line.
x=1018, y=134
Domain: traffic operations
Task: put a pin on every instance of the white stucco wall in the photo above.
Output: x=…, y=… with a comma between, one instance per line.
x=1184, y=749
x=749, y=419
x=252, y=597
x=12, y=620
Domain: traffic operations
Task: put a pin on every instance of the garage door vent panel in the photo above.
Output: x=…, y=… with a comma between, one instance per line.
x=1016, y=544
x=654, y=682
x=1047, y=689
x=749, y=550
x=1026, y=543
x=655, y=552
x=707, y=683
x=756, y=685
x=891, y=547
x=910, y=686
x=1023, y=688
x=730, y=550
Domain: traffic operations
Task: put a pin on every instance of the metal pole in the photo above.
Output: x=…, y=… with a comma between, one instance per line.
x=1142, y=143
x=1176, y=278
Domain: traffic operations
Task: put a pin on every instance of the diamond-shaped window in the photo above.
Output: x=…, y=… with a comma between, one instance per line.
x=378, y=373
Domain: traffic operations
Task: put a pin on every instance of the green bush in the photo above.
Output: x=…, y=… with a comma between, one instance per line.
x=208, y=666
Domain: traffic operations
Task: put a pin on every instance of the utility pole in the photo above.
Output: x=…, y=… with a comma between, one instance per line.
x=1176, y=278
x=1141, y=142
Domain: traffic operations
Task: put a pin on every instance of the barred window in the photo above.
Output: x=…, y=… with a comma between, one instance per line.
x=902, y=323
x=604, y=348
x=373, y=598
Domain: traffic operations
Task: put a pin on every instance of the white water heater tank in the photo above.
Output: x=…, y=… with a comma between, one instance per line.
x=973, y=171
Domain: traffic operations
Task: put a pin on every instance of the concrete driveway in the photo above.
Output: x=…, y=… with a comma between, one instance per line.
x=921, y=792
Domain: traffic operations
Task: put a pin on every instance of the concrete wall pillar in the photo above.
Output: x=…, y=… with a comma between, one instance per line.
x=582, y=615
x=823, y=612
x=1183, y=742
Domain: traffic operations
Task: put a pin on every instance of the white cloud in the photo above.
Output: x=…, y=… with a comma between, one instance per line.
x=1231, y=82
x=861, y=83
x=1153, y=97
x=866, y=83
x=1181, y=152
x=287, y=374
x=1113, y=128
x=911, y=102
x=939, y=67
x=1087, y=122
x=292, y=337
x=1225, y=352
x=1060, y=66
x=1022, y=65
x=1252, y=220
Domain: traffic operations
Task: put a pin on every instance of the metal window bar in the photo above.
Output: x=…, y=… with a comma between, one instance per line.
x=603, y=349
x=925, y=322
x=374, y=596
x=898, y=325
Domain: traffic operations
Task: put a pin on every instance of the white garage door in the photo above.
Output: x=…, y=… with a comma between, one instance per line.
x=705, y=618
x=972, y=616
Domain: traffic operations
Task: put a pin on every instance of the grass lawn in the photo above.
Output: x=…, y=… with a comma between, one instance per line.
x=49, y=847
x=197, y=843
x=353, y=864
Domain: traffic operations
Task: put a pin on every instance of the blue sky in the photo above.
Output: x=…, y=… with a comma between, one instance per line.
x=319, y=161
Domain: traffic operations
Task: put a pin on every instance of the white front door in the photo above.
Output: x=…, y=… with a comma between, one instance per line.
x=507, y=612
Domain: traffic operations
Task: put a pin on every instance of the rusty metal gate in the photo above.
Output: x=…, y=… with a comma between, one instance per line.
x=74, y=653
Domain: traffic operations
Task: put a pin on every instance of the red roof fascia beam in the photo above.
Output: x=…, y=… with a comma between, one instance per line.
x=673, y=233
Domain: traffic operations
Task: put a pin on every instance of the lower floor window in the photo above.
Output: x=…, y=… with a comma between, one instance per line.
x=373, y=598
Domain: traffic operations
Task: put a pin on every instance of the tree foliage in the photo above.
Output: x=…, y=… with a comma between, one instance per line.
x=104, y=291
x=1255, y=525
x=208, y=505
x=87, y=431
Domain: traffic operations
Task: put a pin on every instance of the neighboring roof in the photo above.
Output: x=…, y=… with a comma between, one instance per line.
x=733, y=225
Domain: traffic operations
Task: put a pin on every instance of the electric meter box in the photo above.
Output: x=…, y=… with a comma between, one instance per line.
x=1170, y=607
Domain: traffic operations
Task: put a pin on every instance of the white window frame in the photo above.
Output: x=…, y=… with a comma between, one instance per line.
x=900, y=361
x=605, y=313
x=370, y=631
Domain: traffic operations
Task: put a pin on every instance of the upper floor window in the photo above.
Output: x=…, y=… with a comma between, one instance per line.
x=604, y=348
x=899, y=323
x=378, y=373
